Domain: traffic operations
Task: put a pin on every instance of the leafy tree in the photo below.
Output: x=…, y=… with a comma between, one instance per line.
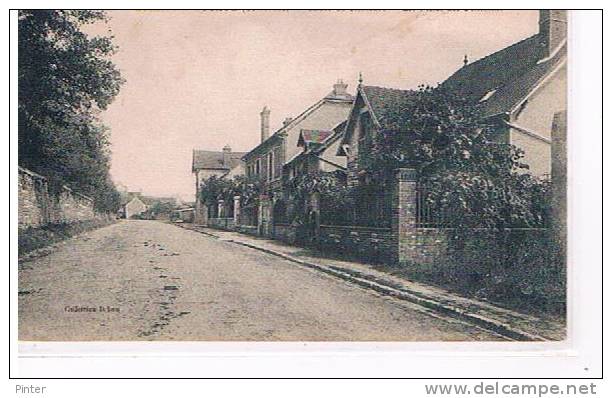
x=217, y=188
x=249, y=189
x=65, y=80
x=472, y=176
x=336, y=198
x=160, y=208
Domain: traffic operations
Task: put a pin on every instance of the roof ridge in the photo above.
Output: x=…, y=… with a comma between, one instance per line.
x=516, y=44
x=390, y=88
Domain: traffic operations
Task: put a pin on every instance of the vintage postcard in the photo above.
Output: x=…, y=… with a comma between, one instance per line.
x=346, y=176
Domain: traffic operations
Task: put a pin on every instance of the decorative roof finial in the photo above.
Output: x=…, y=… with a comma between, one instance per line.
x=465, y=60
x=360, y=78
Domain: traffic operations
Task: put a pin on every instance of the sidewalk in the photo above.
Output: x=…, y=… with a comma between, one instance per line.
x=506, y=322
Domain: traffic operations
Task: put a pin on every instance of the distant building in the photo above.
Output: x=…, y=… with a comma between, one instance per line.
x=206, y=164
x=133, y=205
x=522, y=87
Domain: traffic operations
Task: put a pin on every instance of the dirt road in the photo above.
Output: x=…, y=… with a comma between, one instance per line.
x=146, y=280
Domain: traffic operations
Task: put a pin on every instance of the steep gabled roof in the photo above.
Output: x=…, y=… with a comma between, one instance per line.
x=214, y=160
x=336, y=133
x=131, y=196
x=308, y=137
x=387, y=104
x=499, y=81
x=330, y=98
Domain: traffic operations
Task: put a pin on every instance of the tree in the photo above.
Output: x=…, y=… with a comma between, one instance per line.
x=472, y=176
x=336, y=198
x=219, y=188
x=65, y=80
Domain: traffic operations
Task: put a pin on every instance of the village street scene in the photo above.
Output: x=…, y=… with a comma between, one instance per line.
x=363, y=176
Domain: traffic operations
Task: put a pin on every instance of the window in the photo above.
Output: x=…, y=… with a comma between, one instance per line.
x=258, y=167
x=270, y=165
x=278, y=162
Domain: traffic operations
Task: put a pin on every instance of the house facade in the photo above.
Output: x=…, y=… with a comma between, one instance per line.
x=206, y=164
x=518, y=89
x=319, y=152
x=521, y=87
x=267, y=161
x=133, y=205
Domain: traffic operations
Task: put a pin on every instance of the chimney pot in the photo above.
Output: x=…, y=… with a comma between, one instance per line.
x=265, y=123
x=340, y=88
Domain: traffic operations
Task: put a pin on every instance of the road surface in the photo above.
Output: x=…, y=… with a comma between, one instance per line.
x=147, y=280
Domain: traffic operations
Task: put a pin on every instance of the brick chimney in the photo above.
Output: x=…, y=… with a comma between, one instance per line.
x=553, y=29
x=227, y=156
x=340, y=89
x=265, y=123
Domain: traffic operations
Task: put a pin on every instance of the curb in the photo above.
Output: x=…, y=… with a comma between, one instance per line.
x=428, y=302
x=403, y=294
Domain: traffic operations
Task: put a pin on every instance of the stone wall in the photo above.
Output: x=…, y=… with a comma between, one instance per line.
x=222, y=223
x=423, y=246
x=373, y=244
x=247, y=229
x=38, y=207
x=285, y=232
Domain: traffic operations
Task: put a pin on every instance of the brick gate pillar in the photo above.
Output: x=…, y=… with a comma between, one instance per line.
x=403, y=213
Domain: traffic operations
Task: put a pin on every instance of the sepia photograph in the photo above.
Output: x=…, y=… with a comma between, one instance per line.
x=292, y=175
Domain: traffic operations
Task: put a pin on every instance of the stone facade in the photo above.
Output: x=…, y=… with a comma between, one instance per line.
x=38, y=207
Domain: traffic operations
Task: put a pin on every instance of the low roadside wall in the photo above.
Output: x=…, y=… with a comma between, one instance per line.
x=222, y=223
x=247, y=229
x=372, y=244
x=285, y=232
x=38, y=207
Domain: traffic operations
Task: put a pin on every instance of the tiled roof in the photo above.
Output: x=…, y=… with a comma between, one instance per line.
x=331, y=97
x=214, y=160
x=314, y=136
x=127, y=198
x=388, y=104
x=499, y=81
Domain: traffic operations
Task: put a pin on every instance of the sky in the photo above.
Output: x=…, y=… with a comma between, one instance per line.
x=198, y=79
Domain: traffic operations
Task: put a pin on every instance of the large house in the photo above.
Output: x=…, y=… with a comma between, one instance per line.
x=521, y=87
x=267, y=160
x=206, y=164
x=373, y=110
